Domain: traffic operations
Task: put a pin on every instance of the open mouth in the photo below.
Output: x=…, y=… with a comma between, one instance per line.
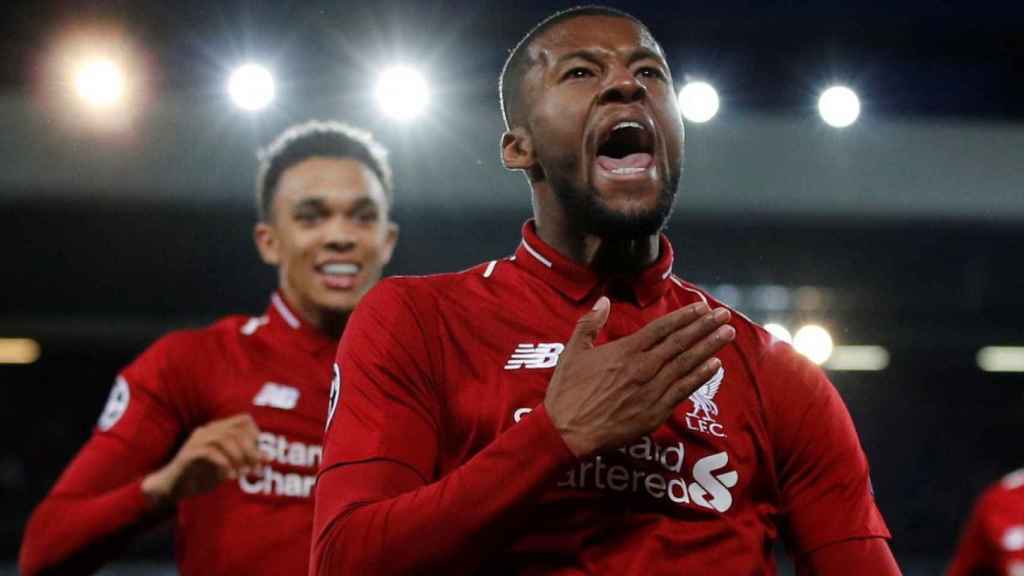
x=339, y=274
x=627, y=149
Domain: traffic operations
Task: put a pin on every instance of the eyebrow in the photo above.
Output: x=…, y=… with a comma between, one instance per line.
x=588, y=55
x=641, y=53
x=364, y=202
x=314, y=202
x=319, y=203
x=645, y=53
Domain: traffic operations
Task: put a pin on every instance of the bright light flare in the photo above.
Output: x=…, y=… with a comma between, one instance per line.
x=698, y=101
x=814, y=342
x=839, y=106
x=251, y=87
x=18, y=350
x=402, y=93
x=100, y=83
x=779, y=331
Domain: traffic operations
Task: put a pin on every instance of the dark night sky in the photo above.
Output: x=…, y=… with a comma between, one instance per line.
x=911, y=57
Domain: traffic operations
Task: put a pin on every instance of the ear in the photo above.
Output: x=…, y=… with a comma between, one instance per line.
x=517, y=150
x=266, y=242
x=389, y=243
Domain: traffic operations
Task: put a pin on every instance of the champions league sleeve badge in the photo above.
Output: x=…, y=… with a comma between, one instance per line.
x=332, y=402
x=117, y=404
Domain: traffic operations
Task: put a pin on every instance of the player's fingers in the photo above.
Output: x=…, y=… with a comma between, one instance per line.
x=242, y=420
x=249, y=442
x=660, y=328
x=686, y=335
x=232, y=450
x=692, y=358
x=681, y=389
x=589, y=325
x=212, y=456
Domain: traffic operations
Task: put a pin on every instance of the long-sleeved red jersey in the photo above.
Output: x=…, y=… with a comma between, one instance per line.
x=993, y=539
x=274, y=367
x=440, y=458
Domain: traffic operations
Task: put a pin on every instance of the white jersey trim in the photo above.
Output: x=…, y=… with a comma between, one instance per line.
x=687, y=288
x=285, y=313
x=669, y=271
x=536, y=254
x=490, y=268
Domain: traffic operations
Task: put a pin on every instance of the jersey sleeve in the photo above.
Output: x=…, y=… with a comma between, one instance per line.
x=97, y=504
x=854, y=557
x=382, y=505
x=822, y=473
x=975, y=552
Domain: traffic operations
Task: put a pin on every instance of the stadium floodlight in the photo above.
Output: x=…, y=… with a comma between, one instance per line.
x=698, y=101
x=839, y=106
x=251, y=87
x=18, y=351
x=100, y=83
x=1001, y=359
x=860, y=358
x=814, y=342
x=779, y=331
x=402, y=93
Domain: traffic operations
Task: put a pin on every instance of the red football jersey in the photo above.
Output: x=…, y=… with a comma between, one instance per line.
x=273, y=367
x=993, y=539
x=440, y=411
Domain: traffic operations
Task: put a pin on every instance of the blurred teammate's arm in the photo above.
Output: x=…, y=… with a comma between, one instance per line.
x=120, y=482
x=94, y=510
x=974, y=552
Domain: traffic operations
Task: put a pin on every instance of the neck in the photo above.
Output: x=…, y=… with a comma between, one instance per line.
x=607, y=256
x=333, y=325
x=329, y=322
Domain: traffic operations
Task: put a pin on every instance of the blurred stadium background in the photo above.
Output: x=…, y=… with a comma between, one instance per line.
x=127, y=181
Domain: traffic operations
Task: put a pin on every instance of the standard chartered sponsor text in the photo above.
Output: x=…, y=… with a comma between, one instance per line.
x=277, y=449
x=709, y=487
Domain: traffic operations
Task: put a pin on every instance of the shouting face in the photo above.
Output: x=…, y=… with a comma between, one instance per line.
x=600, y=125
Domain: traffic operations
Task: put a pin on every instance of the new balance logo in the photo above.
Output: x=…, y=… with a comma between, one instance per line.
x=534, y=356
x=277, y=396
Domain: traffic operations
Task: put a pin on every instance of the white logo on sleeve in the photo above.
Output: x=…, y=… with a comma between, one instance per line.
x=277, y=396
x=117, y=404
x=332, y=403
x=534, y=356
x=1013, y=538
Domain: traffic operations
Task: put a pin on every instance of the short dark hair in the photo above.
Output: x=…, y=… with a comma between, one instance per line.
x=317, y=138
x=518, y=61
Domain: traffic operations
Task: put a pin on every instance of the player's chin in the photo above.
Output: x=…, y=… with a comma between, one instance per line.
x=628, y=187
x=341, y=301
x=630, y=198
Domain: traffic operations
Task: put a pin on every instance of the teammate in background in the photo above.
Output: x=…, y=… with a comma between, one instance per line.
x=575, y=408
x=222, y=425
x=993, y=539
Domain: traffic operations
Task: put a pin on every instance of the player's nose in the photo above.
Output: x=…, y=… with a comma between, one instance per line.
x=340, y=235
x=621, y=86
